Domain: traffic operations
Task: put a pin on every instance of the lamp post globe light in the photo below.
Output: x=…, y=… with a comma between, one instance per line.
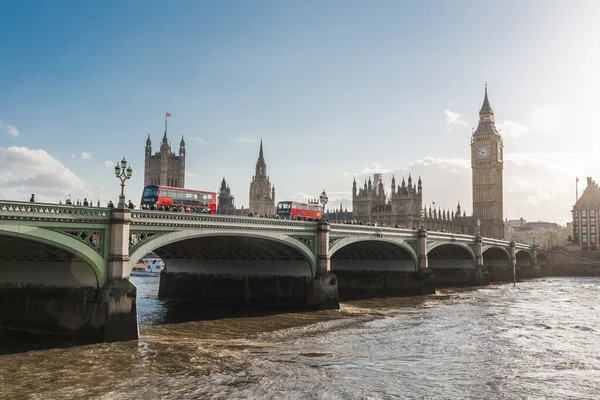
x=478, y=227
x=123, y=173
x=323, y=199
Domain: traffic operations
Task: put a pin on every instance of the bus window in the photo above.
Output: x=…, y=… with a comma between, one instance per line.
x=171, y=193
x=189, y=195
x=150, y=191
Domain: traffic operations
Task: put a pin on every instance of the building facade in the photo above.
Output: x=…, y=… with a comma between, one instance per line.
x=403, y=208
x=585, y=217
x=487, y=165
x=262, y=194
x=370, y=204
x=164, y=167
x=226, y=204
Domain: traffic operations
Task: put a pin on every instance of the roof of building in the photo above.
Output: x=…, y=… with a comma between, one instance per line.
x=590, y=198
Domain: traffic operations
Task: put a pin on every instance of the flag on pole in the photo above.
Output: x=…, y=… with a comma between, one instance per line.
x=168, y=114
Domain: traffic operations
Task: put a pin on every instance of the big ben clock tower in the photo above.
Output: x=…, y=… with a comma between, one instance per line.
x=487, y=164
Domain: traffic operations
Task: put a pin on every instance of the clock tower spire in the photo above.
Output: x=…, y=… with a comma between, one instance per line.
x=487, y=163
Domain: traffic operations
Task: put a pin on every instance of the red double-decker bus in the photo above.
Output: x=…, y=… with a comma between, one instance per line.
x=168, y=198
x=298, y=210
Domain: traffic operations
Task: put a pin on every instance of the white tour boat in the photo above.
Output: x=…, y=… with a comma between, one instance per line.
x=148, y=267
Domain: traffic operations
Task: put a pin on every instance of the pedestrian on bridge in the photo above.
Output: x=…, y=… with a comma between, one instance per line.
x=130, y=205
x=110, y=204
x=32, y=199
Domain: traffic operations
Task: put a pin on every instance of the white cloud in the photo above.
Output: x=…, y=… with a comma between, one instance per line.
x=85, y=155
x=548, y=118
x=199, y=140
x=367, y=171
x=511, y=129
x=11, y=130
x=24, y=171
x=454, y=119
x=109, y=164
x=245, y=140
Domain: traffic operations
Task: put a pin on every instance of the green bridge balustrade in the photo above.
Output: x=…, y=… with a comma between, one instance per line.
x=66, y=268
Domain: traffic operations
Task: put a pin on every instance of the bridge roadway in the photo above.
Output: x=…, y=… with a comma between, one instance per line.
x=65, y=269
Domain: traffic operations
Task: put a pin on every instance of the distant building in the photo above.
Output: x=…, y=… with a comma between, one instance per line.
x=585, y=217
x=262, y=195
x=226, y=204
x=164, y=167
x=402, y=208
x=487, y=163
x=339, y=214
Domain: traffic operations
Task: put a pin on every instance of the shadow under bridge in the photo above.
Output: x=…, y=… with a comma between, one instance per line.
x=450, y=256
x=237, y=256
x=372, y=255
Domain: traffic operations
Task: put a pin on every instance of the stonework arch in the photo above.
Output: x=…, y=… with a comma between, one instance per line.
x=450, y=259
x=300, y=244
x=372, y=255
x=86, y=257
x=357, y=239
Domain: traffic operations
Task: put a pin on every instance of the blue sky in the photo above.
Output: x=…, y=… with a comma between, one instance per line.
x=336, y=90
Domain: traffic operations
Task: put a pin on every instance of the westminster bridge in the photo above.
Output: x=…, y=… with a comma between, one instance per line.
x=65, y=269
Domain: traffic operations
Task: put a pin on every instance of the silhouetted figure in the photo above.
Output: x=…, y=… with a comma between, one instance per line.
x=110, y=204
x=130, y=205
x=32, y=199
x=85, y=202
x=68, y=202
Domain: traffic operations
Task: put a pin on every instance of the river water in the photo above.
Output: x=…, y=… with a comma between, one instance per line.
x=539, y=340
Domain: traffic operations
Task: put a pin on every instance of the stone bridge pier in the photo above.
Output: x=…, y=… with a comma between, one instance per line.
x=67, y=280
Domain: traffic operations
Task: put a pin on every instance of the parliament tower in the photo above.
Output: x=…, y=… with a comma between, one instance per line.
x=262, y=195
x=487, y=165
x=165, y=167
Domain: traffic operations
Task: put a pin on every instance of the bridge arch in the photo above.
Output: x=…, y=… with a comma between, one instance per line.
x=227, y=245
x=524, y=258
x=71, y=262
x=495, y=256
x=383, y=254
x=450, y=255
x=542, y=259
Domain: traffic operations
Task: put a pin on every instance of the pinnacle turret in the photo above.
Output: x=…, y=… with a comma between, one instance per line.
x=486, y=107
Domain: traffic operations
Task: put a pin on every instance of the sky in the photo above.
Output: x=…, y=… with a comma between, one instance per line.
x=336, y=90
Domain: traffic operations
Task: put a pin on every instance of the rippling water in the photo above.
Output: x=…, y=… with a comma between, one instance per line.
x=536, y=341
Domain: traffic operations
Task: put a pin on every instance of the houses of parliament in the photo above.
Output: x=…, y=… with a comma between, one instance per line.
x=402, y=206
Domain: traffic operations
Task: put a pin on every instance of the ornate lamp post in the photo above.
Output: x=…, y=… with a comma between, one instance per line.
x=478, y=227
x=123, y=174
x=512, y=234
x=534, y=236
x=423, y=219
x=323, y=199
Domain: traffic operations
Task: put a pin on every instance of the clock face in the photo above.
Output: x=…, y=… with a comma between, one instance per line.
x=482, y=152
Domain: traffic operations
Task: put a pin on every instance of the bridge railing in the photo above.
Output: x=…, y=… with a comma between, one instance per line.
x=52, y=212
x=143, y=217
x=371, y=230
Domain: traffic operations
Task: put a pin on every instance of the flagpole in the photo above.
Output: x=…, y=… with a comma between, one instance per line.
x=576, y=189
x=166, y=121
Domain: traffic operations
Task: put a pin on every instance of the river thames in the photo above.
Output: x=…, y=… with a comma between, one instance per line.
x=536, y=341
